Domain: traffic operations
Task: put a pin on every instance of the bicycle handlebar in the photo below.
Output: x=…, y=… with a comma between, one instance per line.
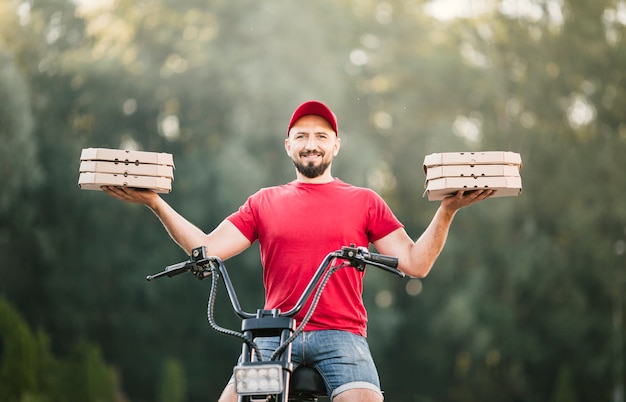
x=203, y=266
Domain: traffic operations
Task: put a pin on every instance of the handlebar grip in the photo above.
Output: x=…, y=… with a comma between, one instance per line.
x=387, y=260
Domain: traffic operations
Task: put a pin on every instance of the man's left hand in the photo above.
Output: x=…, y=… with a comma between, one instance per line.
x=465, y=198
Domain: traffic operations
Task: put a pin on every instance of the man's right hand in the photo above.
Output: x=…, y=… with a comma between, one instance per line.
x=136, y=195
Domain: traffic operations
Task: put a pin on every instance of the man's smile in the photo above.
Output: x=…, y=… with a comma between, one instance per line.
x=311, y=155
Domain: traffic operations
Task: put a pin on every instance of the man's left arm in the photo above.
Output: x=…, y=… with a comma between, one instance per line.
x=416, y=258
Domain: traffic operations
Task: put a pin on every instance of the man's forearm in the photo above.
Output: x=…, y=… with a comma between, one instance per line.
x=183, y=232
x=430, y=244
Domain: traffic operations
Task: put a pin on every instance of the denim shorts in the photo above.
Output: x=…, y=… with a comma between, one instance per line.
x=343, y=359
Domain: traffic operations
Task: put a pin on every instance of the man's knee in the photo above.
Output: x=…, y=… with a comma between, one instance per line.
x=358, y=394
x=228, y=395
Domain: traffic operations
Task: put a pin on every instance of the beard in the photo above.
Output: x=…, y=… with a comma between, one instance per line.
x=310, y=170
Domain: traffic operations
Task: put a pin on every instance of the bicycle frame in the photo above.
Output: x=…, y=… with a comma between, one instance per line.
x=257, y=379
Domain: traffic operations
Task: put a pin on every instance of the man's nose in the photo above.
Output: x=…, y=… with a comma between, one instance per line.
x=311, y=142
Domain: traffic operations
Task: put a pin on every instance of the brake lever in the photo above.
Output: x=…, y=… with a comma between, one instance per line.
x=171, y=270
x=199, y=265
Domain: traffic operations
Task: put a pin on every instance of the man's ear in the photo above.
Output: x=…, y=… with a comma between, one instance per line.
x=337, y=146
x=287, y=146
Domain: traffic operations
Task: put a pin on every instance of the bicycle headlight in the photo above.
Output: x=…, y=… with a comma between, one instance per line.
x=258, y=379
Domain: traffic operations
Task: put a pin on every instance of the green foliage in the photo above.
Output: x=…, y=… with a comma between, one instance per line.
x=29, y=372
x=87, y=377
x=19, y=359
x=565, y=388
x=173, y=387
x=19, y=170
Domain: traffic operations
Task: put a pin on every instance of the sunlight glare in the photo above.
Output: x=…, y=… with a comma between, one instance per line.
x=450, y=9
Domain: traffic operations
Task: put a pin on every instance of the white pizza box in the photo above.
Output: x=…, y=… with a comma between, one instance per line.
x=473, y=158
x=126, y=156
x=142, y=169
x=435, y=172
x=93, y=181
x=508, y=186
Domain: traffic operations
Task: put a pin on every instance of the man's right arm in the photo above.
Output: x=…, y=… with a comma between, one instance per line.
x=224, y=241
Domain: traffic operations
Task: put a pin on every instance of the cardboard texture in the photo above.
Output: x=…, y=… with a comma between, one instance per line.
x=93, y=181
x=125, y=156
x=473, y=158
x=439, y=188
x=449, y=172
x=143, y=169
x=471, y=171
x=117, y=167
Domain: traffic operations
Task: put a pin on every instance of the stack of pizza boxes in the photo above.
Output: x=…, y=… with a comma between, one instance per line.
x=447, y=173
x=116, y=167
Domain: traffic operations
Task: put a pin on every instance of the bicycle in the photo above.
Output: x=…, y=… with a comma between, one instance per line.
x=275, y=379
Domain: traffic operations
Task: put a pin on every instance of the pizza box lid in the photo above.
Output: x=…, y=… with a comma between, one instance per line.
x=473, y=158
x=129, y=169
x=93, y=181
x=439, y=188
x=126, y=156
x=435, y=172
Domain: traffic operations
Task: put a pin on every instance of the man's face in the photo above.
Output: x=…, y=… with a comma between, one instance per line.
x=312, y=144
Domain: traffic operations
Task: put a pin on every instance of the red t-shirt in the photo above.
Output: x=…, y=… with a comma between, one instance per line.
x=297, y=225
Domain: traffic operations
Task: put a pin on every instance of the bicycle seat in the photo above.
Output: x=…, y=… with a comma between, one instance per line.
x=307, y=384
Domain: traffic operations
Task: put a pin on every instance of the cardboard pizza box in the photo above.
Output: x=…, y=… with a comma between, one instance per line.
x=125, y=156
x=93, y=181
x=142, y=169
x=439, y=188
x=473, y=158
x=471, y=171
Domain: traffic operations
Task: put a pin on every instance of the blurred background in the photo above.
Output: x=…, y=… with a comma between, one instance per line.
x=526, y=301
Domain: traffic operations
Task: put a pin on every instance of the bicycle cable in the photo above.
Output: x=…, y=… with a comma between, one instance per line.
x=210, y=307
x=309, y=314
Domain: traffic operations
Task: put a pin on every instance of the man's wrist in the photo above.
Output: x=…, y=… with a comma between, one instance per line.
x=446, y=212
x=154, y=203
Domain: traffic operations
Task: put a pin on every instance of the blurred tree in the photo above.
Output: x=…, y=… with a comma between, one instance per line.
x=29, y=371
x=173, y=386
x=525, y=286
x=564, y=390
x=20, y=171
x=86, y=376
x=18, y=358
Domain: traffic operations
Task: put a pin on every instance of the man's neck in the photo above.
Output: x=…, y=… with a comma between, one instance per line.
x=326, y=177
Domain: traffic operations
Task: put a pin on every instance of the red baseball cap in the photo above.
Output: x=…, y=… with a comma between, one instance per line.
x=315, y=108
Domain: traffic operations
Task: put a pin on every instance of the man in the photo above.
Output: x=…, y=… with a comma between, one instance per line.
x=296, y=225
